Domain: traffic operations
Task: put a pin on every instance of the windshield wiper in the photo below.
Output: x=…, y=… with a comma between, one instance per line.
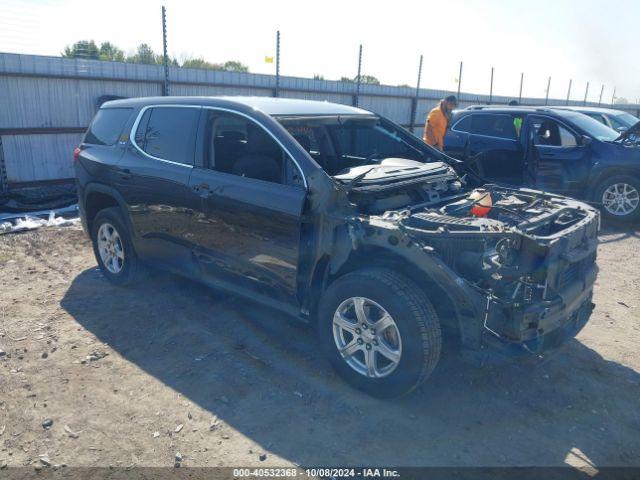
x=355, y=180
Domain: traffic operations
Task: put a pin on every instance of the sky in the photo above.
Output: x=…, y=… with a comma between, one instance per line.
x=583, y=41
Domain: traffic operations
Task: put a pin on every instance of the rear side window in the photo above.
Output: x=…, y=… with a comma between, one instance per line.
x=168, y=133
x=464, y=125
x=107, y=126
x=501, y=126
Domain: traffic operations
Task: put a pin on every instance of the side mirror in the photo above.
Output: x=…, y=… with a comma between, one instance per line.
x=585, y=140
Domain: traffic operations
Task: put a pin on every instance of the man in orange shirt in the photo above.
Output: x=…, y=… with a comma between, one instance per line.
x=438, y=121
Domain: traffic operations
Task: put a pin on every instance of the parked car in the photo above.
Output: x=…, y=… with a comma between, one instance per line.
x=619, y=120
x=551, y=149
x=340, y=218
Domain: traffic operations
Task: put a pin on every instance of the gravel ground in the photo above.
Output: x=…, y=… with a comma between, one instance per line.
x=131, y=377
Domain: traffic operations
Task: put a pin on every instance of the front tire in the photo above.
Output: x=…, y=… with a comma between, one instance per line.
x=379, y=331
x=113, y=248
x=619, y=196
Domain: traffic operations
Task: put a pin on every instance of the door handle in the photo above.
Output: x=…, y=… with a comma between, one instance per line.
x=124, y=173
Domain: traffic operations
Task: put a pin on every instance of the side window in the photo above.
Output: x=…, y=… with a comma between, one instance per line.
x=616, y=124
x=168, y=133
x=464, y=125
x=239, y=146
x=363, y=141
x=598, y=117
x=547, y=132
x=501, y=126
x=107, y=126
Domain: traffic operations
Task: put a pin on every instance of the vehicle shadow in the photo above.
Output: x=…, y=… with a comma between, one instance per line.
x=261, y=372
x=612, y=231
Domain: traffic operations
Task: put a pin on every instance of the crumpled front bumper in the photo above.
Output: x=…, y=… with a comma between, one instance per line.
x=543, y=325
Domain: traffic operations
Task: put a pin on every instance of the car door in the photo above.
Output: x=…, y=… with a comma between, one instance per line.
x=495, y=140
x=248, y=196
x=153, y=178
x=456, y=141
x=559, y=157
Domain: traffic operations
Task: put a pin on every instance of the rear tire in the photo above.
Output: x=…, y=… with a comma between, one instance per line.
x=619, y=196
x=113, y=248
x=405, y=351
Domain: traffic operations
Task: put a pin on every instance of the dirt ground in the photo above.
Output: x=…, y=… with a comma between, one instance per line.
x=225, y=382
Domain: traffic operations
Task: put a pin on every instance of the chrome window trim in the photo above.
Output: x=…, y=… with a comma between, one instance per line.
x=453, y=127
x=132, y=136
x=486, y=114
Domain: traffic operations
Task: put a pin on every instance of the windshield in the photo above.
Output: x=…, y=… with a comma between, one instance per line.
x=592, y=127
x=339, y=143
x=625, y=120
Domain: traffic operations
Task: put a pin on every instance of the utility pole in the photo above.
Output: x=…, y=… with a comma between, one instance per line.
x=459, y=81
x=546, y=99
x=491, y=88
x=569, y=91
x=414, y=104
x=601, y=92
x=586, y=92
x=521, y=81
x=165, y=60
x=358, y=78
x=276, y=93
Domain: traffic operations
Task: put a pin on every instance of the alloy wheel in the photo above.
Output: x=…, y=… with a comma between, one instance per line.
x=367, y=337
x=620, y=199
x=110, y=248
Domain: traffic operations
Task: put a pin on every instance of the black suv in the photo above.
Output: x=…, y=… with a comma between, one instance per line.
x=341, y=218
x=551, y=149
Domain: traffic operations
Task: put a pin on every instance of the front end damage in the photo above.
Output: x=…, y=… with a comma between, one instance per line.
x=520, y=276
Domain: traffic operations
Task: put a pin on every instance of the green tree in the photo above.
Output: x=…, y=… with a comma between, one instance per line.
x=368, y=79
x=317, y=76
x=230, y=66
x=108, y=51
x=82, y=49
x=144, y=54
x=235, y=66
x=200, y=63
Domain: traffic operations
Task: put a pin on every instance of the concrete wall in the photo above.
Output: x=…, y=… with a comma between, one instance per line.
x=47, y=102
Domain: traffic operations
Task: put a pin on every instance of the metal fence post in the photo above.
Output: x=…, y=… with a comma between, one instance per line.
x=356, y=98
x=546, y=98
x=569, y=91
x=4, y=183
x=613, y=97
x=414, y=102
x=459, y=81
x=491, y=88
x=601, y=92
x=276, y=92
x=586, y=92
x=165, y=59
x=521, y=81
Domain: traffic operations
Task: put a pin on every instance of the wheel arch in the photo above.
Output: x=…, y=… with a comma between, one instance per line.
x=608, y=172
x=98, y=197
x=369, y=256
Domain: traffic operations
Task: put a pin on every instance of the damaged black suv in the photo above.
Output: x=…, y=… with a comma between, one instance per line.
x=341, y=218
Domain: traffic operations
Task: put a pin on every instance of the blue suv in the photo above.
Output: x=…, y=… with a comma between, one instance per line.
x=551, y=149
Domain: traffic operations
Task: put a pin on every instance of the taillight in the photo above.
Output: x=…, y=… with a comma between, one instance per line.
x=76, y=153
